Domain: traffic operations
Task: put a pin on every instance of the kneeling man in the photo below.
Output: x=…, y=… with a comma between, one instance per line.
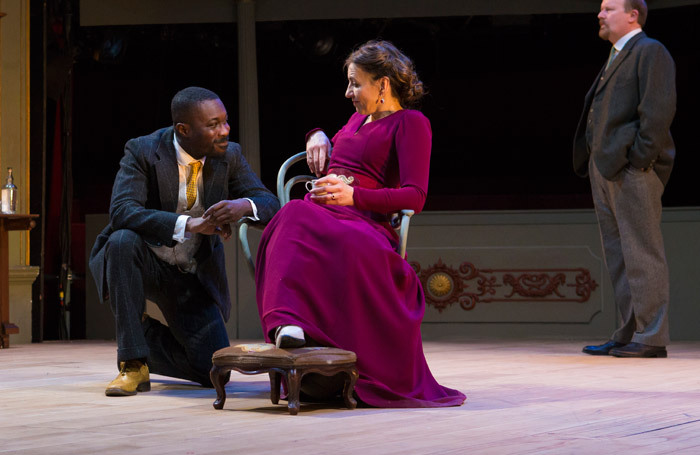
x=176, y=193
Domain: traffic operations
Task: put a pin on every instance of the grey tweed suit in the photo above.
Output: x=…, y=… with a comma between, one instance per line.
x=143, y=212
x=623, y=143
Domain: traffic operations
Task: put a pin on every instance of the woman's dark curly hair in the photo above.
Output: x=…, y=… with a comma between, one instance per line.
x=382, y=58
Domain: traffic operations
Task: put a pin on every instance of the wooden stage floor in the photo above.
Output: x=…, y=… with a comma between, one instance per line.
x=524, y=397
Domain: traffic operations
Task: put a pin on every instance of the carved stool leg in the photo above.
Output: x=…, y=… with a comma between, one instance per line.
x=349, y=387
x=293, y=378
x=275, y=382
x=219, y=378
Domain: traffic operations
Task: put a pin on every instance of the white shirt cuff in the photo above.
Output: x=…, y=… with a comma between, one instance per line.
x=180, y=235
x=255, y=211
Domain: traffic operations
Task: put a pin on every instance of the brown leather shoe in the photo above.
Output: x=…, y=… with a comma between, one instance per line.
x=639, y=350
x=133, y=377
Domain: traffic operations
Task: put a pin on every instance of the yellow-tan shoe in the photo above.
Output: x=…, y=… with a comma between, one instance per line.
x=133, y=377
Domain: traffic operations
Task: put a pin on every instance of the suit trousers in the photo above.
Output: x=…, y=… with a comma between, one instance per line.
x=629, y=217
x=195, y=330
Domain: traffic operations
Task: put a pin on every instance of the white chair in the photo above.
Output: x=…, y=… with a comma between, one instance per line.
x=400, y=221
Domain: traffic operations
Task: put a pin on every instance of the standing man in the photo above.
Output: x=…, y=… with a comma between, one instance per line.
x=176, y=192
x=623, y=143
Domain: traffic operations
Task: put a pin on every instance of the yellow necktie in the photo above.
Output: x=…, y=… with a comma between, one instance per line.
x=192, y=183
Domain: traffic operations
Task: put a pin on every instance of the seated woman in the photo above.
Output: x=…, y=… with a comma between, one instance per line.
x=328, y=272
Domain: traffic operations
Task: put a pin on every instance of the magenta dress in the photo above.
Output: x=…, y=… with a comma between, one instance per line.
x=334, y=271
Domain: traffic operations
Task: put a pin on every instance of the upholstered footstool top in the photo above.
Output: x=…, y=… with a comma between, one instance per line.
x=294, y=363
x=265, y=355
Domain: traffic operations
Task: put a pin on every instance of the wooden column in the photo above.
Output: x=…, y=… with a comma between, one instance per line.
x=248, y=121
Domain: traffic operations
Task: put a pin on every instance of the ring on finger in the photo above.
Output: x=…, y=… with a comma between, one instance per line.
x=333, y=196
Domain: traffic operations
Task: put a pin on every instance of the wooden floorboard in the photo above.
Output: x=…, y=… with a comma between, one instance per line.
x=524, y=397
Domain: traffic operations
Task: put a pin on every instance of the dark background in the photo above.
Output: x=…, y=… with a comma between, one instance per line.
x=505, y=95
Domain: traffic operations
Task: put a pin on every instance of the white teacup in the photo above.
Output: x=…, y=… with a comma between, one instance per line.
x=310, y=185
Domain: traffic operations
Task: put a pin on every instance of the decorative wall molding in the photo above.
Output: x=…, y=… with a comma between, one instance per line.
x=468, y=285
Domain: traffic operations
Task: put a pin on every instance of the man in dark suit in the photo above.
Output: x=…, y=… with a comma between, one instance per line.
x=176, y=192
x=623, y=143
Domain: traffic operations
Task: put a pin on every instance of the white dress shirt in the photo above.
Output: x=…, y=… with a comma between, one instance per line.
x=619, y=44
x=182, y=254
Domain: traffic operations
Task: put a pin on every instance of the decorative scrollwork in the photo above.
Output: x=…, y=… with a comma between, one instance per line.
x=584, y=284
x=468, y=285
x=534, y=284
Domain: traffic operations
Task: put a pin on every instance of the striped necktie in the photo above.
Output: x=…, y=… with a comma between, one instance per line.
x=192, y=183
x=613, y=53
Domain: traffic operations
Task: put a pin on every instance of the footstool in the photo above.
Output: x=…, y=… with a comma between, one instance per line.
x=292, y=363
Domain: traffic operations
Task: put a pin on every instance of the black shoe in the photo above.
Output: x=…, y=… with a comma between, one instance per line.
x=639, y=350
x=602, y=349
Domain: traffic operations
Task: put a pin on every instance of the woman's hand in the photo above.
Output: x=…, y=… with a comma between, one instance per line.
x=331, y=190
x=318, y=150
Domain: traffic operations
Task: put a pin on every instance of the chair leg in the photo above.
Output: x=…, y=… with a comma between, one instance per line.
x=293, y=378
x=349, y=388
x=219, y=378
x=275, y=382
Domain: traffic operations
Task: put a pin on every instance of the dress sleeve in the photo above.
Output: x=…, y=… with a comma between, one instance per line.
x=413, y=143
x=308, y=135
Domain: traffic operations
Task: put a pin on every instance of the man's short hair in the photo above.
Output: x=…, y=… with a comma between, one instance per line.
x=186, y=99
x=639, y=5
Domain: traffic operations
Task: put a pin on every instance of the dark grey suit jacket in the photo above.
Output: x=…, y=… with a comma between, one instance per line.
x=144, y=200
x=628, y=113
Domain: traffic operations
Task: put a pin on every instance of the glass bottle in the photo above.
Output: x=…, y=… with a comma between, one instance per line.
x=9, y=194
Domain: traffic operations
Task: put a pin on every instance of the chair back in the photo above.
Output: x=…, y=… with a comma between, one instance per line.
x=400, y=221
x=284, y=185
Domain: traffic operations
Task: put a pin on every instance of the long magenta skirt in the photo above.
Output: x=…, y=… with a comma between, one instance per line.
x=335, y=272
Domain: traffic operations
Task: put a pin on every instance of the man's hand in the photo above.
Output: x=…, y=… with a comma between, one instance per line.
x=226, y=212
x=200, y=226
x=318, y=150
x=224, y=231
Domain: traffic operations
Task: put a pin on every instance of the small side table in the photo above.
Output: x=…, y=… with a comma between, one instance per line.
x=14, y=222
